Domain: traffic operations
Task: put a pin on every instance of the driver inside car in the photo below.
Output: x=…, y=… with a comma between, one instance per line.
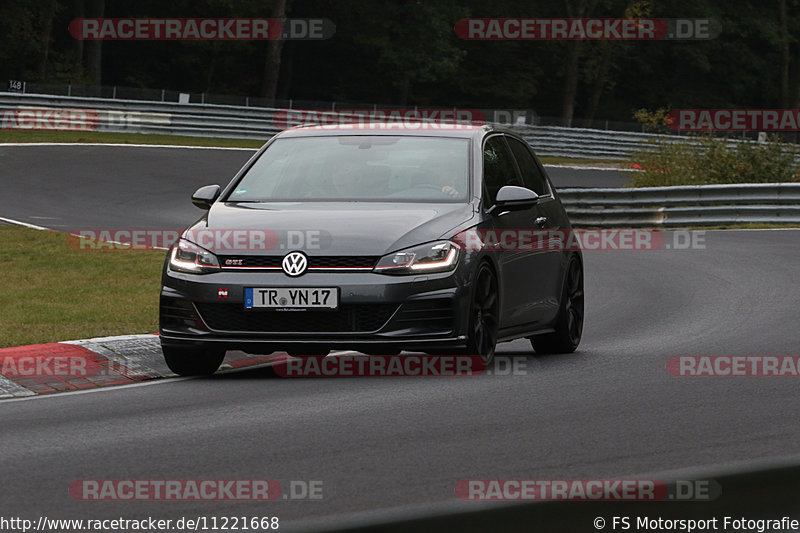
x=444, y=176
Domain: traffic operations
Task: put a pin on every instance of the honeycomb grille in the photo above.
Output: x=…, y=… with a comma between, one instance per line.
x=348, y=318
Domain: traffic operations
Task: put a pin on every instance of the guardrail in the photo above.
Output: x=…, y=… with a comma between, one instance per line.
x=26, y=111
x=133, y=116
x=38, y=111
x=696, y=205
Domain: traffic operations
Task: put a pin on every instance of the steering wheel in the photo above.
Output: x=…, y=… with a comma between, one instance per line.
x=427, y=186
x=445, y=191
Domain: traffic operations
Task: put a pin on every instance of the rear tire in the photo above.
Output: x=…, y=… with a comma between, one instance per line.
x=569, y=324
x=193, y=361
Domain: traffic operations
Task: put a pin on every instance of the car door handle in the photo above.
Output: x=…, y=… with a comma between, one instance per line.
x=541, y=221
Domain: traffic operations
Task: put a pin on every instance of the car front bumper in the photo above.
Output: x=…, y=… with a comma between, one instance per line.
x=376, y=311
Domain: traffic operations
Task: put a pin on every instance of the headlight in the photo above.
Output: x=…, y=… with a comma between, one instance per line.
x=188, y=257
x=432, y=257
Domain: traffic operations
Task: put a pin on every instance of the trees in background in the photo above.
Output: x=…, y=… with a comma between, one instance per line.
x=406, y=52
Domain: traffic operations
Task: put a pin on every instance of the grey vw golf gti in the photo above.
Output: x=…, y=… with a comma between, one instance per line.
x=375, y=239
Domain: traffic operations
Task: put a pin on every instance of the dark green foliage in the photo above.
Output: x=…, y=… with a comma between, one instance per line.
x=406, y=52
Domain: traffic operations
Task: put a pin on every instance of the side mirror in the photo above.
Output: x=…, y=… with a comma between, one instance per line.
x=205, y=196
x=513, y=198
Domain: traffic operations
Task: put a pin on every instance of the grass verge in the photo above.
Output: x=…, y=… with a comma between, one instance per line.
x=52, y=292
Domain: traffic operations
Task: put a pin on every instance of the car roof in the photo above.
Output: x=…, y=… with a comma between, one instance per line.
x=416, y=129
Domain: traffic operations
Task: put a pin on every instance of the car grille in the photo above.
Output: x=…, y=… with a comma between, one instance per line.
x=435, y=314
x=348, y=318
x=314, y=262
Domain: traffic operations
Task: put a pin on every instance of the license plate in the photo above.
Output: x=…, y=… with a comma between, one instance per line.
x=294, y=298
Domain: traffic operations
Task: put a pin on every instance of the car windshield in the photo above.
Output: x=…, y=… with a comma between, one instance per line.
x=358, y=168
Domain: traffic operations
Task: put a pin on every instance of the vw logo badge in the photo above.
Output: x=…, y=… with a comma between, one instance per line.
x=295, y=263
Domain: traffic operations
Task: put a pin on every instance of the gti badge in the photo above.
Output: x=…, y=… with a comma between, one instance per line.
x=294, y=263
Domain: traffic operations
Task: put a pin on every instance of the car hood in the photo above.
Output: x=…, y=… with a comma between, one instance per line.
x=340, y=228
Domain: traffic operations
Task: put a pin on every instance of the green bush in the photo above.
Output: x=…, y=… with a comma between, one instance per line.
x=703, y=160
x=657, y=121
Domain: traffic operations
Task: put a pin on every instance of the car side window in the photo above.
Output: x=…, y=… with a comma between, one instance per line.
x=532, y=175
x=498, y=168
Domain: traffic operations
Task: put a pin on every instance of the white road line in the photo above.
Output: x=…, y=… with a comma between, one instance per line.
x=20, y=223
x=134, y=146
x=131, y=145
x=42, y=228
x=579, y=167
x=126, y=245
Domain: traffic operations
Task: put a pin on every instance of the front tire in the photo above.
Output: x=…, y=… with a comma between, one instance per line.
x=484, y=315
x=193, y=361
x=569, y=324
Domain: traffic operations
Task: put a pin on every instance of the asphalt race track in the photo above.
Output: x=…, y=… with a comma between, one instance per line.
x=611, y=409
x=67, y=187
